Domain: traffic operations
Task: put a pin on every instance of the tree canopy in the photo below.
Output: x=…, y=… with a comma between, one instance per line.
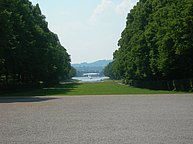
x=157, y=43
x=29, y=51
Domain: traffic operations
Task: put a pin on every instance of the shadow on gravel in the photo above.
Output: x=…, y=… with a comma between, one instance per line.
x=60, y=89
x=24, y=99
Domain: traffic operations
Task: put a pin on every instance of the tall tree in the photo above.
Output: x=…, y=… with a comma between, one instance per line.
x=29, y=51
x=157, y=42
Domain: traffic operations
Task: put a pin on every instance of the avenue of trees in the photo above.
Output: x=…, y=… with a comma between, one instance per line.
x=29, y=51
x=157, y=43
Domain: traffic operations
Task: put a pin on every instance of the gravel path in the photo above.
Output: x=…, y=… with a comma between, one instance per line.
x=140, y=119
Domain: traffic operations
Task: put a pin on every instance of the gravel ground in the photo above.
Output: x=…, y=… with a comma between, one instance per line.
x=139, y=119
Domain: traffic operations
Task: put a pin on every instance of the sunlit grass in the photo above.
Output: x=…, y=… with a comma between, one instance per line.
x=101, y=88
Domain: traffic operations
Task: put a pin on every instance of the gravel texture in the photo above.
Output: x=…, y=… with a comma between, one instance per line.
x=139, y=119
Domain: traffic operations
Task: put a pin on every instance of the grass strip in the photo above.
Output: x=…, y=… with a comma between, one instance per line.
x=99, y=88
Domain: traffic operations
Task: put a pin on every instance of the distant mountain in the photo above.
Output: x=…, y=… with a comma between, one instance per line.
x=99, y=63
x=94, y=67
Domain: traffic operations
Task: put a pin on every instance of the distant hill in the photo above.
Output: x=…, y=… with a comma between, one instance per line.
x=96, y=67
x=99, y=63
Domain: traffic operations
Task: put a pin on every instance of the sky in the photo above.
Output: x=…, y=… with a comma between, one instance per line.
x=88, y=29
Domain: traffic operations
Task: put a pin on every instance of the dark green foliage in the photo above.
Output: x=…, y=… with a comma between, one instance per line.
x=29, y=51
x=157, y=43
x=109, y=71
x=72, y=72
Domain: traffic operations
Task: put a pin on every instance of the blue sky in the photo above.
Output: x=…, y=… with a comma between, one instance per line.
x=88, y=29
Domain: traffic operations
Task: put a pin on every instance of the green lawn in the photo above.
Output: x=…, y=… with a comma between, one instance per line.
x=103, y=88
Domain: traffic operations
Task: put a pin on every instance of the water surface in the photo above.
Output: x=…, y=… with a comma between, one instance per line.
x=90, y=79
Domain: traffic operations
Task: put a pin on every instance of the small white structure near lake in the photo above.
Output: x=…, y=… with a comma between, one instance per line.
x=90, y=77
x=91, y=74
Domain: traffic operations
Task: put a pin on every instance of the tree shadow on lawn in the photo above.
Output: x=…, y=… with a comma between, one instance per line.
x=24, y=99
x=60, y=89
x=31, y=95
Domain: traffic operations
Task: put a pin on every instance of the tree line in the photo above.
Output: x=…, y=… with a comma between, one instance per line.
x=29, y=51
x=157, y=43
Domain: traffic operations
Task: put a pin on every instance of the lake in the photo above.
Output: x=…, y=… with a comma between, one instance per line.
x=90, y=79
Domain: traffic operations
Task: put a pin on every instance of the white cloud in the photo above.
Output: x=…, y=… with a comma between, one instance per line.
x=125, y=6
x=100, y=9
x=108, y=6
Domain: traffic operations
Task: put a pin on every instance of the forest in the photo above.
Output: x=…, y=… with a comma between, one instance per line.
x=156, y=47
x=29, y=52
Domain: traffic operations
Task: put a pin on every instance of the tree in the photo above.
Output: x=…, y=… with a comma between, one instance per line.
x=29, y=51
x=72, y=72
x=109, y=72
x=157, y=42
